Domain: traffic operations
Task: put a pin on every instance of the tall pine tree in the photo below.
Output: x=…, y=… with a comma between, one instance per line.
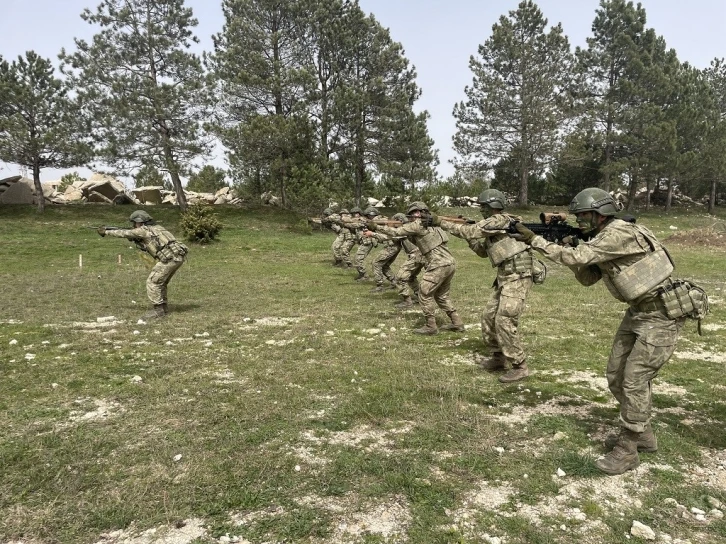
x=40, y=126
x=519, y=101
x=142, y=88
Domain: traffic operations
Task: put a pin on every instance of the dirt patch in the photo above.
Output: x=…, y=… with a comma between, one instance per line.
x=699, y=354
x=182, y=532
x=103, y=410
x=713, y=236
x=388, y=518
x=710, y=471
x=364, y=436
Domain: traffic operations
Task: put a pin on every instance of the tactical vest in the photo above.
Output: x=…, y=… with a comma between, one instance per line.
x=162, y=245
x=633, y=276
x=502, y=247
x=433, y=238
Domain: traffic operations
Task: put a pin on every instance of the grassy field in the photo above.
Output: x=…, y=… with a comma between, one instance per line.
x=283, y=402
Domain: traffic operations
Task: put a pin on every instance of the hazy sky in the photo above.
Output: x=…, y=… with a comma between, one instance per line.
x=438, y=36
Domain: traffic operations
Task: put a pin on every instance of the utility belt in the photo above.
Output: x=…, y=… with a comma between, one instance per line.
x=650, y=305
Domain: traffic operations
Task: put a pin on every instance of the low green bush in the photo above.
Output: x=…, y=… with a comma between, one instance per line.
x=200, y=224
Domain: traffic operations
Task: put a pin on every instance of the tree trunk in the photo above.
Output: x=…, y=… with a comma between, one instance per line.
x=712, y=197
x=669, y=194
x=173, y=169
x=647, y=193
x=38, y=188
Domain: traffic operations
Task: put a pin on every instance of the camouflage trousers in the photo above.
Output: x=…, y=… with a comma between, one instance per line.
x=360, y=256
x=337, y=248
x=382, y=264
x=434, y=290
x=345, y=247
x=500, y=320
x=159, y=278
x=406, y=276
x=643, y=344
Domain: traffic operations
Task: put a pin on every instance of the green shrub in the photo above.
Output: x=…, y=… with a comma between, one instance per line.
x=200, y=224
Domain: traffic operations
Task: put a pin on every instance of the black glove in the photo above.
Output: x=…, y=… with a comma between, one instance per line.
x=572, y=241
x=527, y=235
x=101, y=231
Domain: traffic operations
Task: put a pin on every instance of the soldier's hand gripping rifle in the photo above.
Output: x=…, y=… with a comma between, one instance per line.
x=553, y=227
x=103, y=228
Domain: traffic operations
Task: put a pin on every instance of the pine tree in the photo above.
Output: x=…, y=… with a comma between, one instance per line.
x=207, y=180
x=518, y=101
x=39, y=124
x=142, y=88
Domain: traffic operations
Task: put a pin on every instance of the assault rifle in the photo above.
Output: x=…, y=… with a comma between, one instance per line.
x=460, y=219
x=553, y=227
x=105, y=228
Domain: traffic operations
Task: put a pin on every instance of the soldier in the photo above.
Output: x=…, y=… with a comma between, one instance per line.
x=383, y=261
x=330, y=219
x=163, y=247
x=439, y=266
x=407, y=272
x=348, y=237
x=514, y=263
x=635, y=269
x=365, y=245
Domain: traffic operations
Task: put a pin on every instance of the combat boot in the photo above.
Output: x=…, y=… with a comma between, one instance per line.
x=517, y=372
x=405, y=303
x=456, y=325
x=623, y=457
x=647, y=442
x=430, y=328
x=362, y=276
x=156, y=313
x=494, y=362
x=165, y=308
x=378, y=289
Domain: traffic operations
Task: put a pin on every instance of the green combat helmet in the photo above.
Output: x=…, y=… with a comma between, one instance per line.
x=140, y=216
x=400, y=217
x=493, y=198
x=417, y=206
x=344, y=211
x=355, y=210
x=371, y=212
x=594, y=200
x=327, y=212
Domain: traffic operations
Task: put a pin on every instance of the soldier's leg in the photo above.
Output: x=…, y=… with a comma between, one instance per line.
x=488, y=321
x=655, y=342
x=337, y=249
x=345, y=252
x=506, y=324
x=359, y=261
x=442, y=296
x=429, y=285
x=382, y=265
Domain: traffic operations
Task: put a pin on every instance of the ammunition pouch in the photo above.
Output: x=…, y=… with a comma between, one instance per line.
x=539, y=272
x=683, y=298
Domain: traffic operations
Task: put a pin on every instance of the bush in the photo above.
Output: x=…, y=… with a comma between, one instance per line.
x=200, y=224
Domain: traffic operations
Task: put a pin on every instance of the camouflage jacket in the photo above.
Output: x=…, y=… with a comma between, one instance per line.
x=415, y=231
x=154, y=240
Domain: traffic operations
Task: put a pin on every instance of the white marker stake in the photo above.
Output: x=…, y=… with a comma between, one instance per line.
x=119, y=258
x=80, y=261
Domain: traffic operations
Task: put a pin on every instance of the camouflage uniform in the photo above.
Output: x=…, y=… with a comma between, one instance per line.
x=646, y=337
x=350, y=239
x=332, y=223
x=383, y=261
x=365, y=246
x=164, y=248
x=500, y=319
x=439, y=266
x=407, y=272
